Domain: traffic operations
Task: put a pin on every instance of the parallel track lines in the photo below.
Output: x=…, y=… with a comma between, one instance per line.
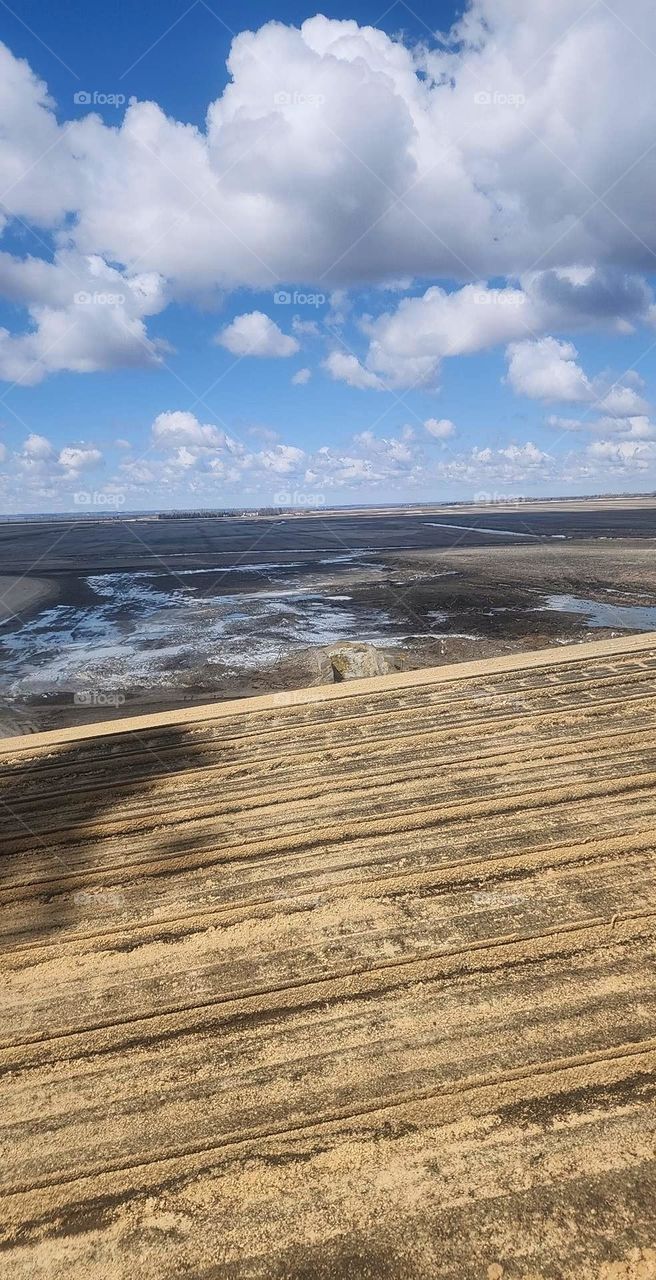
x=367, y=980
x=641, y=1058
x=478, y=768
x=330, y=921
x=460, y=874
x=422, y=818
x=186, y=734
x=32, y=1213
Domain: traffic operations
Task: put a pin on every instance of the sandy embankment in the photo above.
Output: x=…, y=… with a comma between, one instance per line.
x=356, y=981
x=20, y=595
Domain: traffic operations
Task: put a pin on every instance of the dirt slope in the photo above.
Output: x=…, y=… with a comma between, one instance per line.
x=350, y=982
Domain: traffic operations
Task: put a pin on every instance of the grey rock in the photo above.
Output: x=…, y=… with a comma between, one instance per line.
x=354, y=660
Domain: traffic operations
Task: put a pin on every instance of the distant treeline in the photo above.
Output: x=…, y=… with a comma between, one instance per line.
x=228, y=511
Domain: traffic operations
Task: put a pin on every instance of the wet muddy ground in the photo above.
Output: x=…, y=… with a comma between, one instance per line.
x=89, y=642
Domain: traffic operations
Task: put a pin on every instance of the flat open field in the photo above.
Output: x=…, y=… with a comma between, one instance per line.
x=357, y=981
x=103, y=619
x=139, y=542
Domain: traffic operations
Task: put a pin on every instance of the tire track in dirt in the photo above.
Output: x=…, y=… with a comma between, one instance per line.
x=415, y=920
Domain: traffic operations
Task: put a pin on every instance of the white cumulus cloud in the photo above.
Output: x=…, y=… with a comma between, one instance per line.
x=283, y=459
x=255, y=334
x=546, y=369
x=178, y=427
x=439, y=428
x=344, y=367
x=36, y=446
x=339, y=155
x=77, y=458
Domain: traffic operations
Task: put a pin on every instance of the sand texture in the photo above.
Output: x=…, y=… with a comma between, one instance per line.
x=356, y=981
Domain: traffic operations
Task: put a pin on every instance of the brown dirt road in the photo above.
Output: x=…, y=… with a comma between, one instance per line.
x=357, y=981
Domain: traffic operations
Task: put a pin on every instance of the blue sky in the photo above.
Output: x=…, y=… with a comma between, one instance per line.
x=388, y=266
x=144, y=49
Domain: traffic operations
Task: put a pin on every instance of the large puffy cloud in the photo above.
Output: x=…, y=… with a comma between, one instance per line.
x=179, y=427
x=408, y=344
x=38, y=167
x=337, y=156
x=337, y=153
x=343, y=366
x=83, y=316
x=547, y=370
x=75, y=458
x=255, y=334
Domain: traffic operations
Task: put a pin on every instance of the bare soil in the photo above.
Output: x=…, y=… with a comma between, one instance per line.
x=450, y=605
x=356, y=981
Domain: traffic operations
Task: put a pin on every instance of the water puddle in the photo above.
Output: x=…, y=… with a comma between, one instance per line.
x=479, y=528
x=599, y=614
